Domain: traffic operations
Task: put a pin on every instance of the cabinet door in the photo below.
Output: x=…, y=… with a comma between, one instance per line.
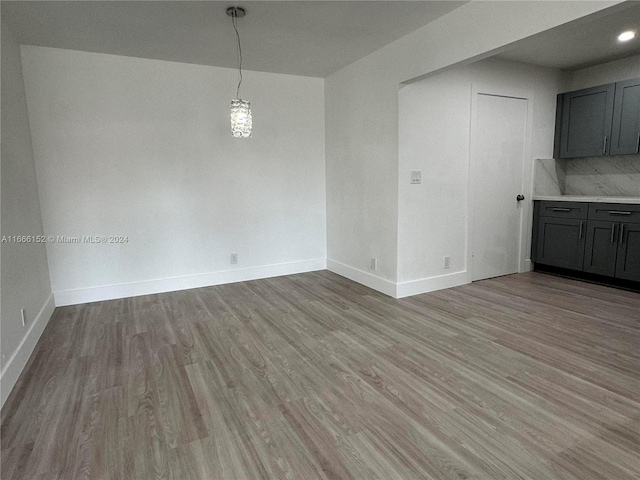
x=601, y=247
x=561, y=242
x=625, y=135
x=628, y=262
x=586, y=122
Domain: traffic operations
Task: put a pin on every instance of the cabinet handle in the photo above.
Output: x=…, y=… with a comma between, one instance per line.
x=561, y=209
x=621, y=233
x=604, y=146
x=581, y=225
x=618, y=212
x=613, y=232
x=638, y=144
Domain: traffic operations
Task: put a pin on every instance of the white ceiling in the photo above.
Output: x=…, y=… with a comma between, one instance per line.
x=312, y=38
x=588, y=41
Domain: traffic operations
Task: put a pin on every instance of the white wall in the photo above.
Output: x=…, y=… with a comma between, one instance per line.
x=25, y=275
x=434, y=137
x=361, y=116
x=610, y=72
x=142, y=148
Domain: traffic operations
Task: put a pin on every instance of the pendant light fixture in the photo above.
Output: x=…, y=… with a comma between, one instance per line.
x=241, y=122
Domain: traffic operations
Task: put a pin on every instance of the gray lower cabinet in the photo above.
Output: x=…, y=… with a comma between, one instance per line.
x=601, y=248
x=597, y=238
x=628, y=261
x=560, y=238
x=561, y=242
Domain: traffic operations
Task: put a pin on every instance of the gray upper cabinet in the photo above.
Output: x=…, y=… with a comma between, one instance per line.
x=586, y=122
x=625, y=135
x=597, y=121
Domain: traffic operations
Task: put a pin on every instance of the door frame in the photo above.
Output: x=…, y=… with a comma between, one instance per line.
x=526, y=206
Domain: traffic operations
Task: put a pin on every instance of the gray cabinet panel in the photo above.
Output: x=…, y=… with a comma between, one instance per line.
x=586, y=122
x=534, y=233
x=560, y=242
x=628, y=262
x=601, y=247
x=557, y=134
x=625, y=135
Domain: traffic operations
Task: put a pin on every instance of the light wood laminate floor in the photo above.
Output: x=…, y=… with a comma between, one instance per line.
x=315, y=377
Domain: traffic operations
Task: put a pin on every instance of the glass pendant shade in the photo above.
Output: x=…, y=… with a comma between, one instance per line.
x=241, y=123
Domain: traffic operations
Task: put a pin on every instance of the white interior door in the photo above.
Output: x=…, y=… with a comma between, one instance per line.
x=498, y=155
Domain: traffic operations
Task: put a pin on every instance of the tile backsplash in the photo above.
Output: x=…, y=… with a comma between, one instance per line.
x=613, y=176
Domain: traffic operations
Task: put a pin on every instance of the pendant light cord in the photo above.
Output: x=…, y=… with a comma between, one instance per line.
x=234, y=22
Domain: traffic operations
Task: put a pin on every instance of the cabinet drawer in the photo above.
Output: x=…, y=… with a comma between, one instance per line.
x=564, y=209
x=614, y=212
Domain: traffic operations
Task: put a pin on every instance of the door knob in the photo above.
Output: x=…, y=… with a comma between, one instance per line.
x=520, y=198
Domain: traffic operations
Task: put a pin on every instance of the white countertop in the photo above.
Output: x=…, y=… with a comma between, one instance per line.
x=584, y=198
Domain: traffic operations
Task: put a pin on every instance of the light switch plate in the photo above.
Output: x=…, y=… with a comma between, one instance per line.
x=416, y=177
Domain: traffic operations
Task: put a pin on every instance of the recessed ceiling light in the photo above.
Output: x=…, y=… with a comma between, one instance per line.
x=626, y=36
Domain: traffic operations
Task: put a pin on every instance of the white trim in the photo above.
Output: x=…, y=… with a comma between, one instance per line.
x=16, y=363
x=431, y=284
x=368, y=280
x=148, y=287
x=528, y=265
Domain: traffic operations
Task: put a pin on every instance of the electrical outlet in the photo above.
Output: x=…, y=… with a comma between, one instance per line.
x=374, y=263
x=24, y=320
x=233, y=258
x=416, y=177
x=446, y=262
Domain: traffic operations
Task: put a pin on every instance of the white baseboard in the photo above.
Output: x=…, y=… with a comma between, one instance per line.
x=380, y=284
x=399, y=290
x=431, y=284
x=16, y=363
x=149, y=287
x=528, y=265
